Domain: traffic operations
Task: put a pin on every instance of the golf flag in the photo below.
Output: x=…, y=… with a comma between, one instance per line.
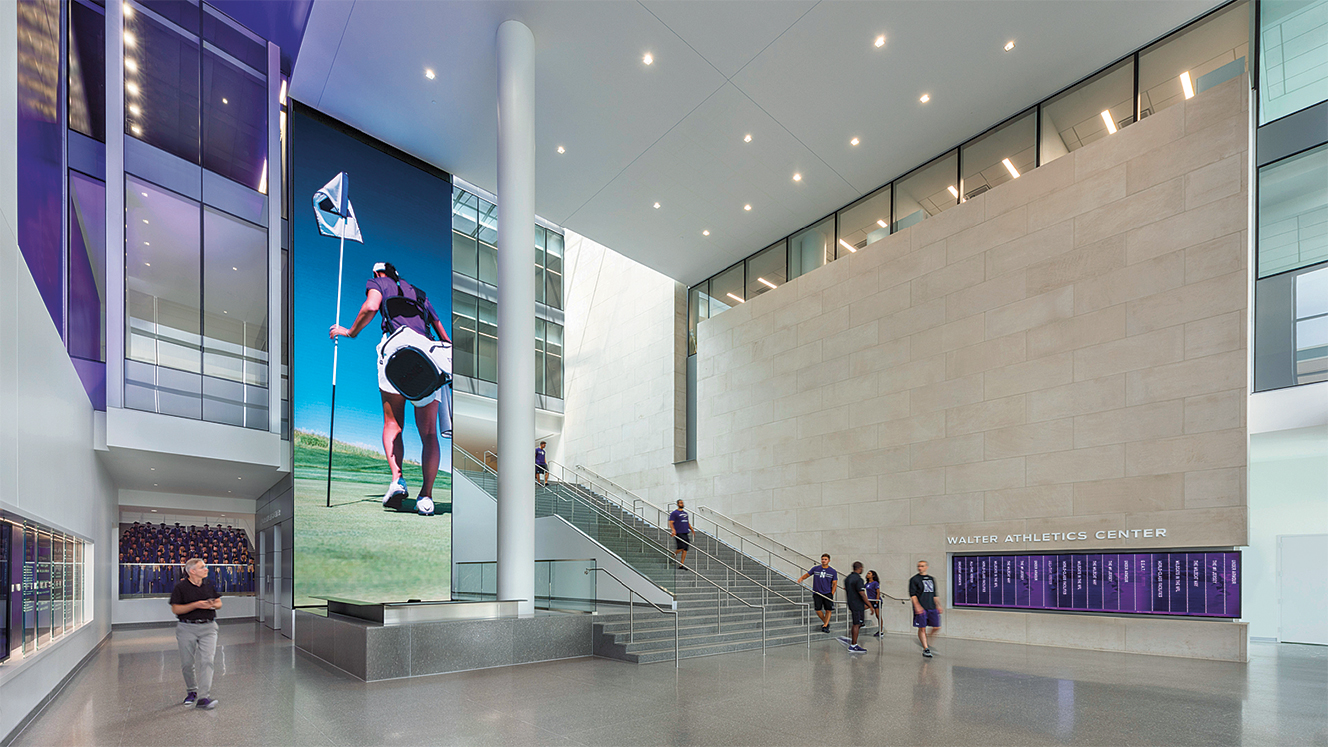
x=332, y=207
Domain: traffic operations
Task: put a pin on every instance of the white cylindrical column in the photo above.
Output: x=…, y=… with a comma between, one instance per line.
x=516, y=314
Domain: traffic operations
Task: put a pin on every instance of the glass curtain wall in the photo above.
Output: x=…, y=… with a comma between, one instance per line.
x=866, y=221
x=42, y=595
x=1195, y=59
x=1001, y=155
x=811, y=248
x=196, y=276
x=1092, y=110
x=475, y=318
x=928, y=191
x=1293, y=56
x=767, y=270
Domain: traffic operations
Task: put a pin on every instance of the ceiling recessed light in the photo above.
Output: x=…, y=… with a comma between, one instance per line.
x=736, y=298
x=880, y=41
x=137, y=131
x=147, y=264
x=225, y=100
x=797, y=177
x=145, y=194
x=1010, y=167
x=1009, y=45
x=236, y=269
x=224, y=311
x=146, y=244
x=239, y=478
x=767, y=282
x=953, y=192
x=657, y=206
x=130, y=64
x=1187, y=85
x=746, y=207
x=145, y=220
x=1111, y=124
x=561, y=150
x=428, y=73
x=851, y=249
x=648, y=59
x=747, y=138
x=134, y=110
x=854, y=141
x=129, y=39
x=154, y=469
x=925, y=98
x=706, y=232
x=132, y=88
x=128, y=10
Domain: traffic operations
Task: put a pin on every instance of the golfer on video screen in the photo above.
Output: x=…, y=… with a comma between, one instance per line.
x=418, y=314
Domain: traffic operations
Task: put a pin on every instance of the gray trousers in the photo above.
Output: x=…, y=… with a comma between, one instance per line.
x=198, y=645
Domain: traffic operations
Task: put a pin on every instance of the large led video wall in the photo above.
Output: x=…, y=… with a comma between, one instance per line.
x=1190, y=584
x=368, y=452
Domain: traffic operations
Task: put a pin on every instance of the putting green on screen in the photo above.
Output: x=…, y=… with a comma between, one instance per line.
x=357, y=549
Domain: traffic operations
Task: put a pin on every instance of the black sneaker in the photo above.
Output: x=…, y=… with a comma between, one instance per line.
x=191, y=698
x=925, y=652
x=878, y=634
x=825, y=628
x=208, y=704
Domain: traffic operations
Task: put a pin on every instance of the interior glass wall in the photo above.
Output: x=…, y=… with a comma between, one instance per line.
x=698, y=310
x=1293, y=212
x=999, y=156
x=1090, y=111
x=726, y=289
x=1293, y=56
x=162, y=82
x=767, y=270
x=87, y=268
x=1312, y=327
x=866, y=221
x=42, y=594
x=928, y=191
x=811, y=248
x=1194, y=59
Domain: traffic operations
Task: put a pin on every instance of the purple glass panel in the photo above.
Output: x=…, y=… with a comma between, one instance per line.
x=1094, y=571
x=162, y=89
x=87, y=267
x=1195, y=603
x=1022, y=586
x=40, y=139
x=87, y=71
x=1193, y=584
x=1176, y=583
x=1080, y=570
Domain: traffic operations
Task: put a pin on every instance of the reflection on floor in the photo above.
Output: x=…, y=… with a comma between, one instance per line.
x=971, y=693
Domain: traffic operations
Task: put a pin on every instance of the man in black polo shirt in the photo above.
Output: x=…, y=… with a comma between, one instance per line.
x=195, y=603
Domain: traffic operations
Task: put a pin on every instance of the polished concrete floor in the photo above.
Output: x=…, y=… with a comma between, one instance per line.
x=971, y=693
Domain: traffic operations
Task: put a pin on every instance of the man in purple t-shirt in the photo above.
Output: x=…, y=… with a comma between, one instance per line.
x=420, y=316
x=680, y=526
x=824, y=580
x=541, y=465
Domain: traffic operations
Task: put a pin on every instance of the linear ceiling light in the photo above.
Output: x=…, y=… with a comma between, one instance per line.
x=954, y=192
x=880, y=223
x=1111, y=125
x=1010, y=168
x=1186, y=85
x=767, y=282
x=736, y=298
x=852, y=249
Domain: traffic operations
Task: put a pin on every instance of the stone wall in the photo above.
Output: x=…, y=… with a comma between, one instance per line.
x=1066, y=352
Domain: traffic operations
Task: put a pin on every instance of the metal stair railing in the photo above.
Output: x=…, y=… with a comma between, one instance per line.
x=588, y=502
x=631, y=617
x=639, y=501
x=730, y=571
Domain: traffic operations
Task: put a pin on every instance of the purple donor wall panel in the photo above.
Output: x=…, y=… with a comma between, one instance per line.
x=1188, y=584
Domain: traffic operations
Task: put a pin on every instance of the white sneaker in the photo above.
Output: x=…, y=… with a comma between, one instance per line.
x=395, y=493
x=424, y=505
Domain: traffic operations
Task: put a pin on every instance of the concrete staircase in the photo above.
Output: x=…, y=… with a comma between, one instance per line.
x=710, y=619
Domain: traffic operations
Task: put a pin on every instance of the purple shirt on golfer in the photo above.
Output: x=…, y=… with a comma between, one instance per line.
x=823, y=579
x=681, y=522
x=388, y=287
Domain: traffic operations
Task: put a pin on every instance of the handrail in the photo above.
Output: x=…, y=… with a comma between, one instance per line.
x=635, y=498
x=577, y=489
x=649, y=543
x=631, y=618
x=767, y=537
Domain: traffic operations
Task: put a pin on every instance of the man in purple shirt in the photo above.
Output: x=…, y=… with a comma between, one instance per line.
x=680, y=526
x=824, y=580
x=541, y=465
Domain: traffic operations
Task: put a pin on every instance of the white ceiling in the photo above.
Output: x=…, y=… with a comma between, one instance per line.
x=801, y=77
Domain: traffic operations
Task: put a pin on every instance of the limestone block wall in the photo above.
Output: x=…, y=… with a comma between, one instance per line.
x=1065, y=353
